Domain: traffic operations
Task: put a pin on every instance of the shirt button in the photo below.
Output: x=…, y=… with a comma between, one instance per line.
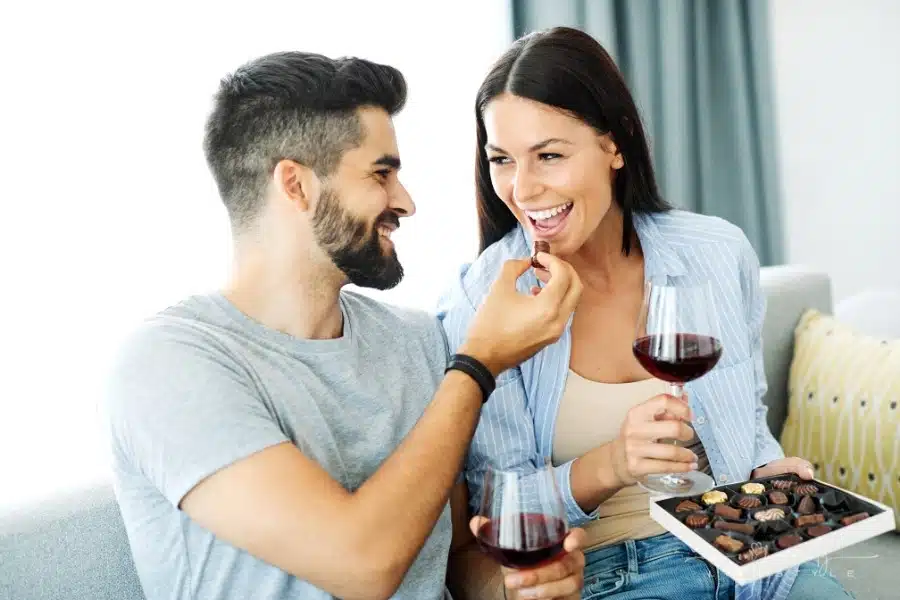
x=701, y=420
x=723, y=478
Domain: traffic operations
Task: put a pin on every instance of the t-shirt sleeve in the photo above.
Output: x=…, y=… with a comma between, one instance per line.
x=179, y=409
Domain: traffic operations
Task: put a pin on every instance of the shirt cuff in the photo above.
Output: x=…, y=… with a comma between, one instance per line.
x=574, y=515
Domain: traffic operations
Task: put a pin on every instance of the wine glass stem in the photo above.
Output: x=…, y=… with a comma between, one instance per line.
x=677, y=390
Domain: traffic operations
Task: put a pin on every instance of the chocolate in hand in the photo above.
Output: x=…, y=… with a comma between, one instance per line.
x=753, y=553
x=687, y=506
x=539, y=246
x=807, y=506
x=854, y=518
x=728, y=544
x=721, y=525
x=723, y=510
x=808, y=520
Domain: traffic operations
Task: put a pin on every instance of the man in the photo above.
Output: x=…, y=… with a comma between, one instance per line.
x=287, y=439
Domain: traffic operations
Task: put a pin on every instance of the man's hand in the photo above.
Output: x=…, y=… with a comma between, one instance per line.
x=782, y=466
x=561, y=579
x=510, y=326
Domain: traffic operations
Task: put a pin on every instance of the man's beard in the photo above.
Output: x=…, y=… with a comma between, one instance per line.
x=353, y=248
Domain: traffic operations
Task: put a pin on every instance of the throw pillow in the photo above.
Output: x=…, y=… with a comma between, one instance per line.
x=844, y=408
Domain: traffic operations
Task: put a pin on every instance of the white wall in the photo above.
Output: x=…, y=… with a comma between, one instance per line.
x=837, y=75
x=110, y=214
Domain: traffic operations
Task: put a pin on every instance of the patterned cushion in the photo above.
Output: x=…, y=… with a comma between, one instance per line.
x=844, y=407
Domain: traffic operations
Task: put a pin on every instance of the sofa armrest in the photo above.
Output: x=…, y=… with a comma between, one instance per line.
x=790, y=291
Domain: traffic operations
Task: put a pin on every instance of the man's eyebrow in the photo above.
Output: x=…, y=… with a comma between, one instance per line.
x=388, y=160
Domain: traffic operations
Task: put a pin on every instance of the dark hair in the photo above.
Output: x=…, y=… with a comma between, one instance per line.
x=290, y=105
x=568, y=69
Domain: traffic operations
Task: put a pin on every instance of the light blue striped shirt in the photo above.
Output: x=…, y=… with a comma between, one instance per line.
x=517, y=424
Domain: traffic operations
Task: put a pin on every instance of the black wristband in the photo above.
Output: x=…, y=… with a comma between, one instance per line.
x=476, y=370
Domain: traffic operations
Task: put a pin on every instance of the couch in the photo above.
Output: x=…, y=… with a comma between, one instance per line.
x=74, y=547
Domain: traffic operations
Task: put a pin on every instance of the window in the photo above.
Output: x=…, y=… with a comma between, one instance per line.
x=111, y=213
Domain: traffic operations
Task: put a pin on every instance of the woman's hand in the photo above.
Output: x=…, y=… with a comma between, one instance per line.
x=561, y=579
x=638, y=451
x=792, y=464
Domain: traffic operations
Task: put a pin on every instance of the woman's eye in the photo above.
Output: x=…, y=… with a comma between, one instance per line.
x=549, y=155
x=498, y=160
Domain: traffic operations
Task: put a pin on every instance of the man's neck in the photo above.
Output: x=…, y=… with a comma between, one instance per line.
x=298, y=297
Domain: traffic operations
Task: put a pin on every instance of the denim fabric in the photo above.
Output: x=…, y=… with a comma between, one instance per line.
x=663, y=568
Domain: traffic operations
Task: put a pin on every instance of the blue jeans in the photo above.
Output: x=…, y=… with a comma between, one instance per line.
x=663, y=568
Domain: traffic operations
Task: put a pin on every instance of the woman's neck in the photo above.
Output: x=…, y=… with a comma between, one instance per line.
x=600, y=262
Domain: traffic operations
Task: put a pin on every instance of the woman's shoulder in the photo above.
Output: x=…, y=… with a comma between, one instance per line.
x=685, y=228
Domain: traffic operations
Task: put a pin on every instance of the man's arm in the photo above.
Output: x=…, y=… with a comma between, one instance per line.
x=285, y=509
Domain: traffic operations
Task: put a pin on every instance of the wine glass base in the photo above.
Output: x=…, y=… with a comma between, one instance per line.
x=678, y=484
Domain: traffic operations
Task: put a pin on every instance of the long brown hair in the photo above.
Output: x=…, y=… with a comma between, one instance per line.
x=568, y=69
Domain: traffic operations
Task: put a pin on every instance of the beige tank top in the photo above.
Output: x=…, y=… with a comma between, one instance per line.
x=590, y=414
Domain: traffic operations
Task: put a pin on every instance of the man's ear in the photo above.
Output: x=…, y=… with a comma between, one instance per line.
x=297, y=183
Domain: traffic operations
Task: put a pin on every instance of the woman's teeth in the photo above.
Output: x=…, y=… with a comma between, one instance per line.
x=541, y=215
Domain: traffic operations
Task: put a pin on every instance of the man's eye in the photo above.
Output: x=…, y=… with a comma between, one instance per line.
x=498, y=160
x=383, y=174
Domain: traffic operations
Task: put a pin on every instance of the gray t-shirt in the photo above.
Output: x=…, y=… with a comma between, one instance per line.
x=201, y=385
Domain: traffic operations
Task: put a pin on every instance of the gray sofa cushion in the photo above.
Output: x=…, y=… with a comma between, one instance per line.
x=71, y=548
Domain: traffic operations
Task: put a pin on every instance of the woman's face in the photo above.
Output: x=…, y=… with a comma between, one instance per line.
x=553, y=171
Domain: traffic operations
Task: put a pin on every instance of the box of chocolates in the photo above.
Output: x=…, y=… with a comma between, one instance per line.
x=754, y=529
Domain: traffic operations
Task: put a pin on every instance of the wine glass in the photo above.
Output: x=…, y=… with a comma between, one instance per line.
x=678, y=341
x=523, y=517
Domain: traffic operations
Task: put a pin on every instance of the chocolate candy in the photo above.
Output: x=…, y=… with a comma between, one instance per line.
x=806, y=489
x=749, y=502
x=788, y=540
x=772, y=529
x=753, y=553
x=539, y=246
x=854, y=518
x=714, y=497
x=782, y=484
x=723, y=510
x=817, y=530
x=777, y=497
x=728, y=544
x=833, y=500
x=687, y=506
x=808, y=520
x=697, y=520
x=769, y=514
x=745, y=528
x=807, y=506
x=753, y=488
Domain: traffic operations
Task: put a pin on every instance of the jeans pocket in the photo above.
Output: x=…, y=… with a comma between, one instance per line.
x=603, y=584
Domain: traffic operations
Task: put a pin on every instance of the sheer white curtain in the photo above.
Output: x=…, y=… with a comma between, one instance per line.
x=109, y=212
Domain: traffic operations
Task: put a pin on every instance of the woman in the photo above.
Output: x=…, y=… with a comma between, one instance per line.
x=562, y=157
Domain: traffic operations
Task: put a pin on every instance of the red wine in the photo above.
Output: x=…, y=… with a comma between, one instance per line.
x=541, y=540
x=678, y=357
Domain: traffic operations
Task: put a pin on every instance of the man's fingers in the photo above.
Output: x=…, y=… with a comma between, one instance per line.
x=512, y=270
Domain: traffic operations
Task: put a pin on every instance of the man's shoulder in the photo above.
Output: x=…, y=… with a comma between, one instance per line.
x=392, y=321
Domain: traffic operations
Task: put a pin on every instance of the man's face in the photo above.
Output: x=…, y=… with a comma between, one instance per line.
x=361, y=204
